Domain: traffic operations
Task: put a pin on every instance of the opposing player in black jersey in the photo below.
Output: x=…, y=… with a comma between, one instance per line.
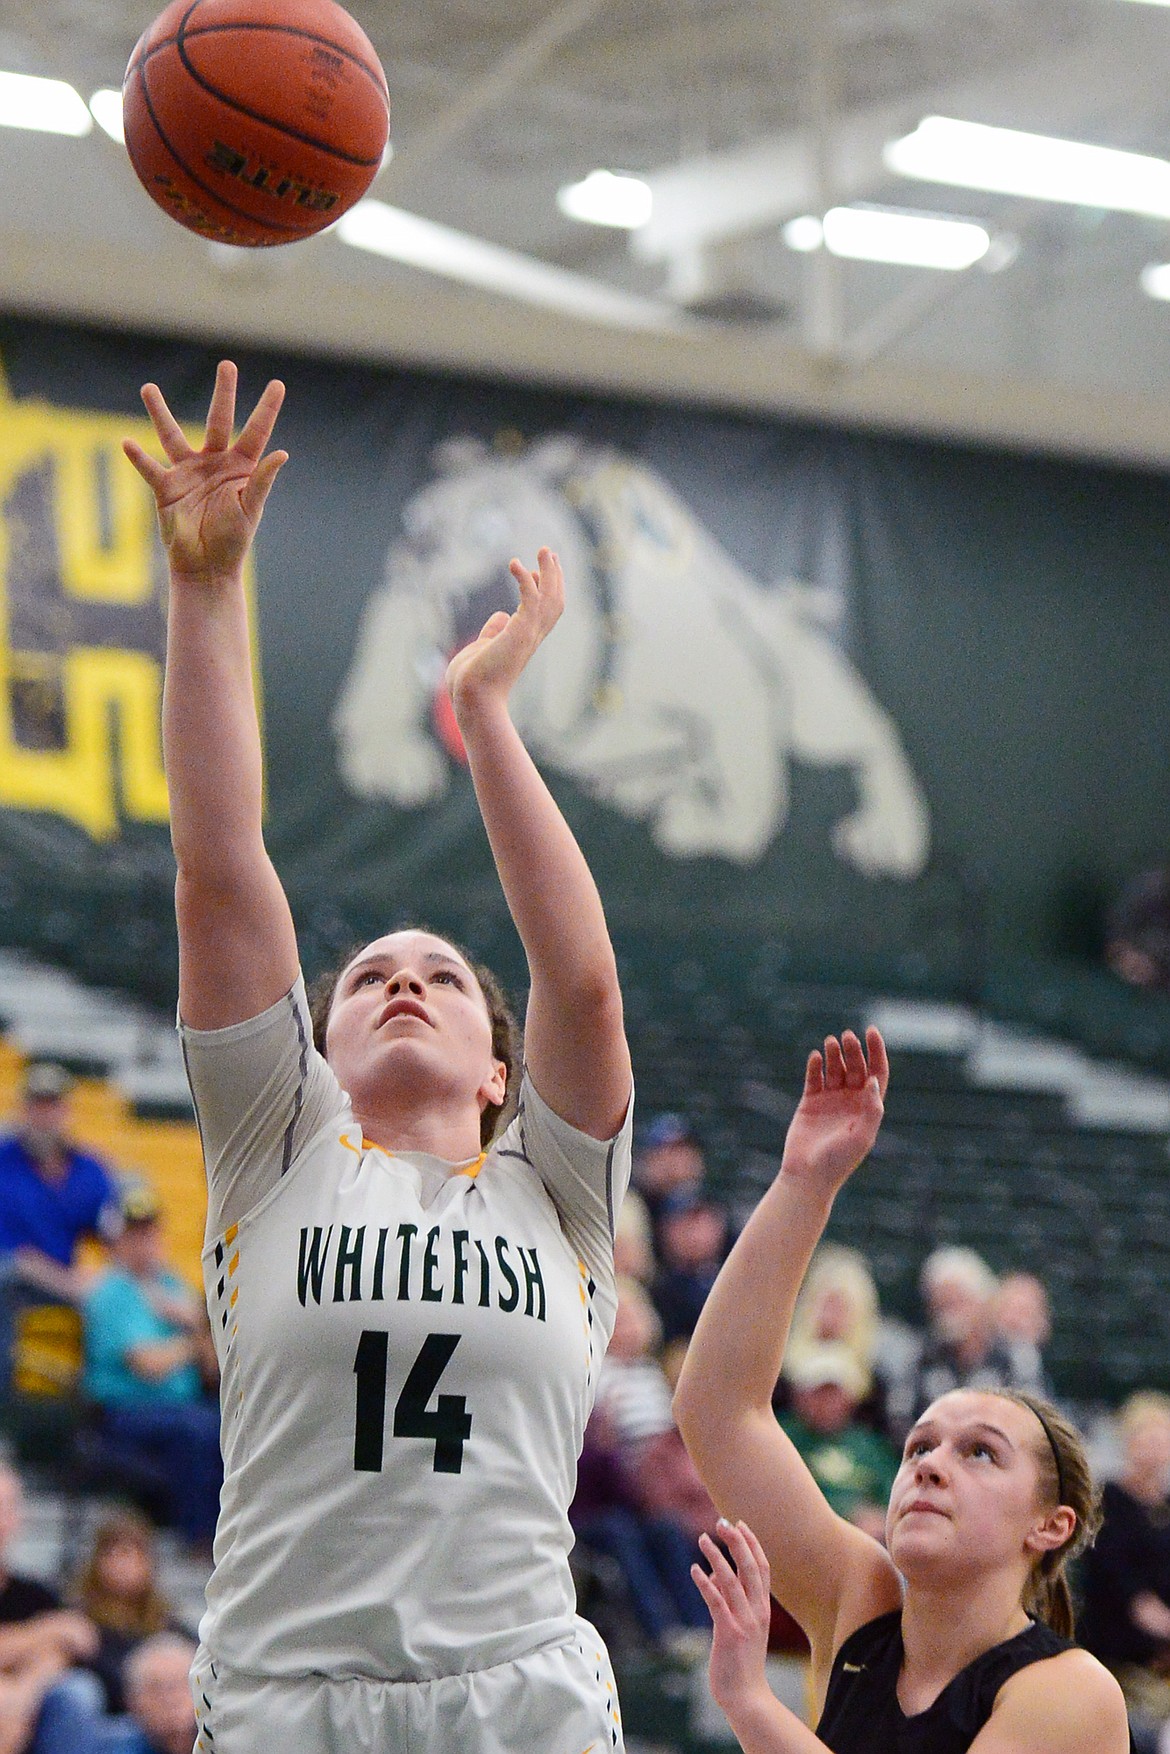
x=959, y=1636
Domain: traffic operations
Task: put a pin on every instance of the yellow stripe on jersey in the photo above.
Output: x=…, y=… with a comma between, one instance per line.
x=470, y=1170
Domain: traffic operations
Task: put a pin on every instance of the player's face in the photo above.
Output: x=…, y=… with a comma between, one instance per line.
x=409, y=1007
x=967, y=1495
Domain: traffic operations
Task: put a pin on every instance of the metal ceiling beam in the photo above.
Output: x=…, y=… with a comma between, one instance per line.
x=492, y=89
x=1112, y=73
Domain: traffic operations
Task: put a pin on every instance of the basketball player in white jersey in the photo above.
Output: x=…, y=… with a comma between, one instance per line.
x=409, y=1313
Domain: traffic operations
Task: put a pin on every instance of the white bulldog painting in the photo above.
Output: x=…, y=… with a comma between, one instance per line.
x=677, y=689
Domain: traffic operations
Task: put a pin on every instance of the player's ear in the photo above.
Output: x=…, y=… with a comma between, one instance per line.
x=494, y=1089
x=1053, y=1530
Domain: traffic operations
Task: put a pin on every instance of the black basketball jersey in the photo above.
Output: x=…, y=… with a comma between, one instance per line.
x=862, y=1714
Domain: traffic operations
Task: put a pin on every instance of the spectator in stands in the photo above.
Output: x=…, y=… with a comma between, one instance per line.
x=145, y=1337
x=962, y=1348
x=1125, y=1618
x=51, y=1195
x=1137, y=932
x=633, y=1242
x=651, y=1544
x=670, y=1158
x=853, y=1466
x=838, y=1305
x=1023, y=1319
x=692, y=1243
x=158, y=1690
x=632, y=1391
x=47, y=1706
x=117, y=1590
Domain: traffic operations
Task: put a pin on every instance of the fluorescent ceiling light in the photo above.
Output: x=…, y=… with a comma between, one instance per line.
x=47, y=105
x=106, y=108
x=1006, y=162
x=1155, y=279
x=881, y=234
x=607, y=198
x=437, y=249
x=805, y=233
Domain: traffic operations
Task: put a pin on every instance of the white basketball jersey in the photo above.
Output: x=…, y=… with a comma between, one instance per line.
x=408, y=1358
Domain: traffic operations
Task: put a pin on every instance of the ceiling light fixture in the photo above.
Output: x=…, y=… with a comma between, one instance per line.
x=1155, y=280
x=608, y=198
x=106, y=109
x=438, y=249
x=883, y=234
x=47, y=105
x=969, y=155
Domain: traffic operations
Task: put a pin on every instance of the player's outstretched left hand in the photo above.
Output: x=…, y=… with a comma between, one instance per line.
x=492, y=663
x=209, y=501
x=840, y=1111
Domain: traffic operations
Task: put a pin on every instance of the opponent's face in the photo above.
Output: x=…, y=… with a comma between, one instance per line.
x=409, y=1008
x=967, y=1496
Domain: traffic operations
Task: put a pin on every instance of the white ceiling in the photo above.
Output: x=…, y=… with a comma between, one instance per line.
x=741, y=114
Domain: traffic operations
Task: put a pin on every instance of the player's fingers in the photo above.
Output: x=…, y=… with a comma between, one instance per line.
x=834, y=1064
x=747, y=1569
x=495, y=624
x=856, y=1070
x=151, y=470
x=879, y=1064
x=170, y=433
x=717, y=1608
x=259, y=424
x=259, y=483
x=217, y=434
x=525, y=578
x=814, y=1074
x=721, y=1568
x=763, y=1569
x=552, y=580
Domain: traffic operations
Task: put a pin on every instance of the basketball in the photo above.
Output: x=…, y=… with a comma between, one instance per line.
x=255, y=122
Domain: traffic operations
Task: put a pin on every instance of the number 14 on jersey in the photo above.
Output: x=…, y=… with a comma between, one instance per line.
x=447, y=1425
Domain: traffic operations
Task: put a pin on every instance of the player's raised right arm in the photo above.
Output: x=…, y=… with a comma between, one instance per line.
x=237, y=948
x=824, y=1571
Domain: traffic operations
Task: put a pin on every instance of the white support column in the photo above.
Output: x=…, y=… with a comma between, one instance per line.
x=822, y=314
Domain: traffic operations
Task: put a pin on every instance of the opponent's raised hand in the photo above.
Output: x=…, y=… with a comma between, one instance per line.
x=209, y=501
x=840, y=1111
x=491, y=664
x=741, y=1610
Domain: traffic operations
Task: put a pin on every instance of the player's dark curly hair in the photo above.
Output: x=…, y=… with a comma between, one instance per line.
x=506, y=1037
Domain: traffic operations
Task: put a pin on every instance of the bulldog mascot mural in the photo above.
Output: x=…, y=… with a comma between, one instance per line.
x=677, y=689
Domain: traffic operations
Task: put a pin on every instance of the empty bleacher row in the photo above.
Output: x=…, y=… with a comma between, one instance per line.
x=1021, y=1145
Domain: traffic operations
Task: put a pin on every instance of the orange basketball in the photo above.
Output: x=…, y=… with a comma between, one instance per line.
x=255, y=121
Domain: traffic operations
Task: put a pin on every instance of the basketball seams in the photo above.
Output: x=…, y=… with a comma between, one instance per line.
x=233, y=27
x=230, y=103
x=293, y=235
x=275, y=148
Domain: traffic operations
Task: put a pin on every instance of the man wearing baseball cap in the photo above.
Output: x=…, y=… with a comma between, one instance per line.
x=51, y=1195
x=146, y=1337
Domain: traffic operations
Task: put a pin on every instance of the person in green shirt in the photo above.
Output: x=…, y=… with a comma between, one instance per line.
x=851, y=1463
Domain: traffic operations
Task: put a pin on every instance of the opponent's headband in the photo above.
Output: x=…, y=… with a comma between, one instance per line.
x=1052, y=1444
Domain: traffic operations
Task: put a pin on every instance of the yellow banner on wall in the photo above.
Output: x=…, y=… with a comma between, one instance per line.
x=82, y=619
